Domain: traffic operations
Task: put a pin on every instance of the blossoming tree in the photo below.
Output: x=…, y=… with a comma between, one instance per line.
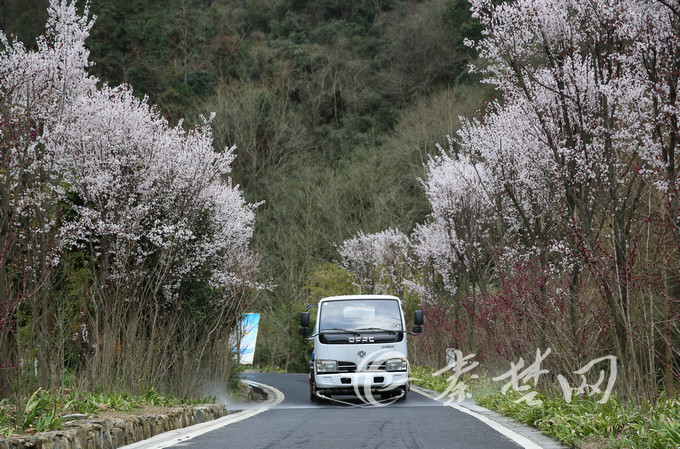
x=379, y=262
x=147, y=209
x=564, y=194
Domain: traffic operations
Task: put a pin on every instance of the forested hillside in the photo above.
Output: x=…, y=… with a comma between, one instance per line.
x=333, y=106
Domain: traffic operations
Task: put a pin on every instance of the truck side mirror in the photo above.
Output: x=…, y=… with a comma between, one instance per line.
x=418, y=319
x=304, y=322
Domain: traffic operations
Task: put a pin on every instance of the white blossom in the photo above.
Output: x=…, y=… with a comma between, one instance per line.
x=147, y=199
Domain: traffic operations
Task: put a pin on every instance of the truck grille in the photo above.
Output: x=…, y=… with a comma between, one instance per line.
x=347, y=367
x=351, y=367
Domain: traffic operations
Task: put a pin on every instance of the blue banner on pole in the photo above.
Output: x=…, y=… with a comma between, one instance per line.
x=248, y=337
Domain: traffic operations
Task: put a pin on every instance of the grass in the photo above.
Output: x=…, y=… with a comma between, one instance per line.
x=45, y=410
x=579, y=423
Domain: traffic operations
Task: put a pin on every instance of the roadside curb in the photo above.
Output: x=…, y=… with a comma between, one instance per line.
x=525, y=432
x=113, y=433
x=274, y=397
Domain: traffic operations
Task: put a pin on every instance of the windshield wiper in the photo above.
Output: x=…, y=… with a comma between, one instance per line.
x=337, y=330
x=377, y=329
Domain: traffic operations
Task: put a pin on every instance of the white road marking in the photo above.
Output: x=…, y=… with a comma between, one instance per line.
x=514, y=436
x=179, y=436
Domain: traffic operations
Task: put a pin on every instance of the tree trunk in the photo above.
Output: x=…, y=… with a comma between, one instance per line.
x=8, y=358
x=673, y=289
x=621, y=331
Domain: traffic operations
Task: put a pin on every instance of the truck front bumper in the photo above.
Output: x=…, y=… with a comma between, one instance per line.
x=361, y=383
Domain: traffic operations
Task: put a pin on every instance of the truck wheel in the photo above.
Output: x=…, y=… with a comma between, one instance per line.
x=312, y=391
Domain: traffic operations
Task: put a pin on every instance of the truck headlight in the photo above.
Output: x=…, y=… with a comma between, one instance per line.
x=396, y=365
x=326, y=366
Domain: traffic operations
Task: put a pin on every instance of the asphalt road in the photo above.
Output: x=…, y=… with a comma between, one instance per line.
x=296, y=422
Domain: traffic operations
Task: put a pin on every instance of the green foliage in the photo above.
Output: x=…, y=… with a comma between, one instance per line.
x=24, y=19
x=441, y=381
x=6, y=427
x=38, y=410
x=424, y=376
x=585, y=420
x=270, y=369
x=330, y=279
x=255, y=17
x=671, y=432
x=45, y=410
x=577, y=423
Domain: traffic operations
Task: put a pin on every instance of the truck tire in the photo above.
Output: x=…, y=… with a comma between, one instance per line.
x=312, y=386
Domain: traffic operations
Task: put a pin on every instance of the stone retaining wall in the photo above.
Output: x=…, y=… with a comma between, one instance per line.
x=111, y=433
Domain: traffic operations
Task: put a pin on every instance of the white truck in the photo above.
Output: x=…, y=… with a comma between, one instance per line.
x=359, y=348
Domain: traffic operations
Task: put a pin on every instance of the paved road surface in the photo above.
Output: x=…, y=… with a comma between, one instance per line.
x=295, y=422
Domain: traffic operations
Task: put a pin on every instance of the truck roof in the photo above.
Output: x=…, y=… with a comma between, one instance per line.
x=346, y=297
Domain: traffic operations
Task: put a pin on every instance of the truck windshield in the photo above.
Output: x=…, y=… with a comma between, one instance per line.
x=360, y=314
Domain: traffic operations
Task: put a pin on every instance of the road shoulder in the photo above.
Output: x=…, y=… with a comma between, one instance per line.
x=527, y=436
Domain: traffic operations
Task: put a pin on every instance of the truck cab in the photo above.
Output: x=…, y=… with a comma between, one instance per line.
x=360, y=348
